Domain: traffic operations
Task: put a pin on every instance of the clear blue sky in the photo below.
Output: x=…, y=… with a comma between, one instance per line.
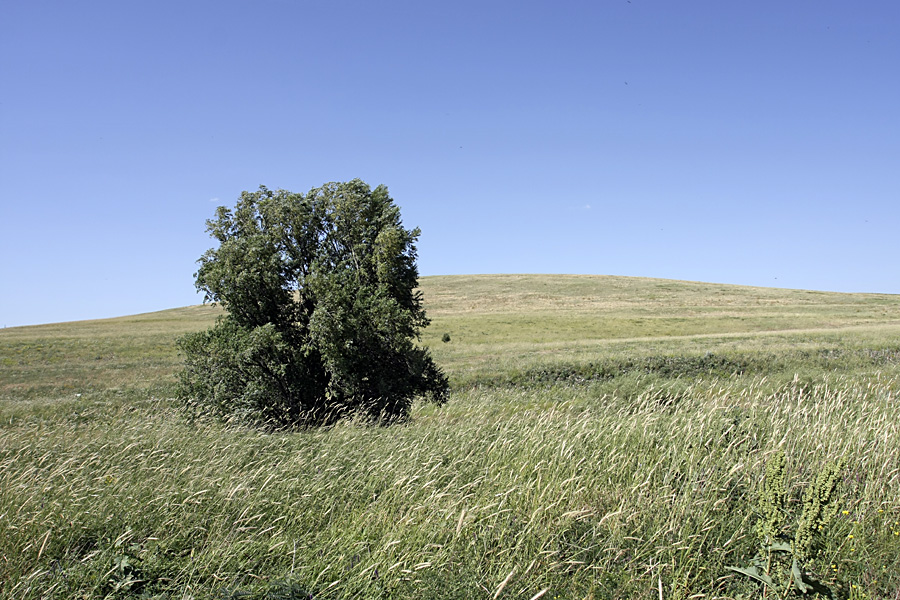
x=754, y=143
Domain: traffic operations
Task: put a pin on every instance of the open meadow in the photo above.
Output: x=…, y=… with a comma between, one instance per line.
x=605, y=437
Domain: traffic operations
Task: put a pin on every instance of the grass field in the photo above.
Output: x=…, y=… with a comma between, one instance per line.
x=606, y=437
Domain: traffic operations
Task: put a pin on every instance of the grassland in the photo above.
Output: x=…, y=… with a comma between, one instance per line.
x=606, y=438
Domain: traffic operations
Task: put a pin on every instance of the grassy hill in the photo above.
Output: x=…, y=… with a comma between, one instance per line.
x=606, y=437
x=504, y=323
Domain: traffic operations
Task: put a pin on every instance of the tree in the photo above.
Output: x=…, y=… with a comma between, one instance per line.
x=322, y=311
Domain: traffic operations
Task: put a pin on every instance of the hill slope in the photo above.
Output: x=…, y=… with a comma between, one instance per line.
x=497, y=324
x=606, y=437
x=512, y=321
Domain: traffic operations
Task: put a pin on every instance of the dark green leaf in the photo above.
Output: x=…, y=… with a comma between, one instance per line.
x=797, y=574
x=753, y=573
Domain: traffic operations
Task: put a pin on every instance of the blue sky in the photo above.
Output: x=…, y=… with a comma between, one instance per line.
x=753, y=143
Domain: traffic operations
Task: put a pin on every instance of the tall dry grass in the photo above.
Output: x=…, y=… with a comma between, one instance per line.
x=606, y=438
x=536, y=489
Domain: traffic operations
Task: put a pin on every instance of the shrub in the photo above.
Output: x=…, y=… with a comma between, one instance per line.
x=321, y=307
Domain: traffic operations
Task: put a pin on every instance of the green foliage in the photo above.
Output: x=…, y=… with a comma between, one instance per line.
x=819, y=508
x=782, y=562
x=322, y=311
x=773, y=500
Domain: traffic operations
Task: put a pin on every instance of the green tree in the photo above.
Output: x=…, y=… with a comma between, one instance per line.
x=322, y=311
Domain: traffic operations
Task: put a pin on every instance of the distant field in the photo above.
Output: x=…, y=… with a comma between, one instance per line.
x=513, y=322
x=606, y=437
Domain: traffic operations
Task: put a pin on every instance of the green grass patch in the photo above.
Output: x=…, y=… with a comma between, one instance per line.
x=585, y=464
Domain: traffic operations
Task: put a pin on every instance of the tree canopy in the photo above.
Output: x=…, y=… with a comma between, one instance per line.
x=322, y=311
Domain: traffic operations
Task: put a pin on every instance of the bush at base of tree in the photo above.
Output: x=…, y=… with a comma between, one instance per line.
x=321, y=307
